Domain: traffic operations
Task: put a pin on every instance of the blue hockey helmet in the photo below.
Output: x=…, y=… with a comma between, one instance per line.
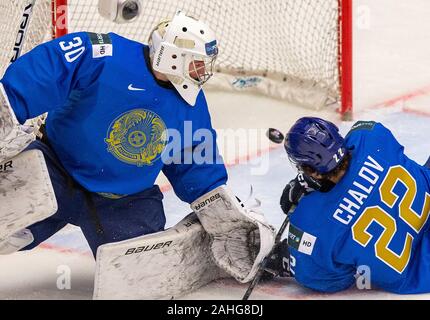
x=316, y=143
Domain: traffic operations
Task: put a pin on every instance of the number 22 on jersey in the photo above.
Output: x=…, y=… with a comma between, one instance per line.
x=416, y=220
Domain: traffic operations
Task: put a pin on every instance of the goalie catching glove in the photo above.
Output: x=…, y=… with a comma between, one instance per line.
x=240, y=237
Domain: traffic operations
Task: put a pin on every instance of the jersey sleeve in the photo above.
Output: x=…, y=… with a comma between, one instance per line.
x=201, y=167
x=42, y=80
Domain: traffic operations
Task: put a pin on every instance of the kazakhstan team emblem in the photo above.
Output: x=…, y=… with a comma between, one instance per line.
x=137, y=137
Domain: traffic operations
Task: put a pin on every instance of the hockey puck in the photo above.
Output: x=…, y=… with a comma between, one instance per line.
x=275, y=135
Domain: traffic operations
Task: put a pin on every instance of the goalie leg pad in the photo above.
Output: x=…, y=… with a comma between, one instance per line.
x=27, y=193
x=162, y=265
x=16, y=242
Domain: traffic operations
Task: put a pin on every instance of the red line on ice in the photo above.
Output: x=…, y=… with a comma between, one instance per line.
x=417, y=112
x=405, y=97
x=49, y=246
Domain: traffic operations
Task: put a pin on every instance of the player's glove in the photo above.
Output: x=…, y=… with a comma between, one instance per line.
x=240, y=237
x=278, y=264
x=296, y=189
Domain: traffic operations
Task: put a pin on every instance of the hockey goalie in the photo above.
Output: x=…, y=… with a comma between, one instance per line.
x=114, y=109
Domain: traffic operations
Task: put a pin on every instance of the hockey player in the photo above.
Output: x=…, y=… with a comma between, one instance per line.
x=114, y=107
x=369, y=209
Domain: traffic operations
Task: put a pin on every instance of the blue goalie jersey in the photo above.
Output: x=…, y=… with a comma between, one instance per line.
x=375, y=219
x=111, y=124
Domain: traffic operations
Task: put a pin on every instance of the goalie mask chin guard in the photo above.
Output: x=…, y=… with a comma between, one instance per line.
x=184, y=49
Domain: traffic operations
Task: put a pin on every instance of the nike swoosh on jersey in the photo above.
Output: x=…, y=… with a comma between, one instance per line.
x=131, y=88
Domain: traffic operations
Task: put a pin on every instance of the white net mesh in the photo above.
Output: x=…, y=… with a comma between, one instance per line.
x=284, y=48
x=11, y=17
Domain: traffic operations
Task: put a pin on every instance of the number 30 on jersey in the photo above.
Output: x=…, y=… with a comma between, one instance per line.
x=73, y=49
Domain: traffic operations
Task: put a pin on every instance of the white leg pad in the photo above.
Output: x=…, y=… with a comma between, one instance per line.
x=163, y=265
x=26, y=193
x=16, y=242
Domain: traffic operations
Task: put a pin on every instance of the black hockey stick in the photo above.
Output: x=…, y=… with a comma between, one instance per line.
x=263, y=263
x=20, y=40
x=22, y=32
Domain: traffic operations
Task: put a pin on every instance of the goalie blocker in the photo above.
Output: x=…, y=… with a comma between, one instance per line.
x=14, y=137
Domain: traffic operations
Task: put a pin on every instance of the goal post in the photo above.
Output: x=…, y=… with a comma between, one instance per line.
x=295, y=50
x=345, y=59
x=59, y=18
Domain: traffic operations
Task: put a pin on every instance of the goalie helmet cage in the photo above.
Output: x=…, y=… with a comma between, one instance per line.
x=296, y=50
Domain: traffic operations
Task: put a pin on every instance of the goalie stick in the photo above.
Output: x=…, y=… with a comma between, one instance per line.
x=17, y=50
x=23, y=27
x=263, y=263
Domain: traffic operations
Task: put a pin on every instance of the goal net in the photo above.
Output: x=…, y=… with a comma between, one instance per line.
x=296, y=50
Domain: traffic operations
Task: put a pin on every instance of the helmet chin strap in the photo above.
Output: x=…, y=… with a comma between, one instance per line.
x=326, y=185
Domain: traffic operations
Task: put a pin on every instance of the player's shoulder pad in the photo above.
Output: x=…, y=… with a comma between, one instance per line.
x=363, y=125
x=101, y=44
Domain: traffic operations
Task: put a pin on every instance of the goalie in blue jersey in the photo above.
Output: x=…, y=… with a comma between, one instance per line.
x=116, y=108
x=362, y=204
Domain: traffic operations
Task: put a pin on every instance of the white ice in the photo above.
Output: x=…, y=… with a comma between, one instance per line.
x=391, y=60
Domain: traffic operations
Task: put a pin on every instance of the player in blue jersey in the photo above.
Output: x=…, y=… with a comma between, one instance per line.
x=364, y=205
x=116, y=108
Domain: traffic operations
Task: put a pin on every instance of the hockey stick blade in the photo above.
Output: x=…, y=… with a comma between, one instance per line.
x=275, y=135
x=263, y=263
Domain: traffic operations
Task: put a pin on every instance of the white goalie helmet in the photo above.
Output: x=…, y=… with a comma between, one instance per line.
x=184, y=49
